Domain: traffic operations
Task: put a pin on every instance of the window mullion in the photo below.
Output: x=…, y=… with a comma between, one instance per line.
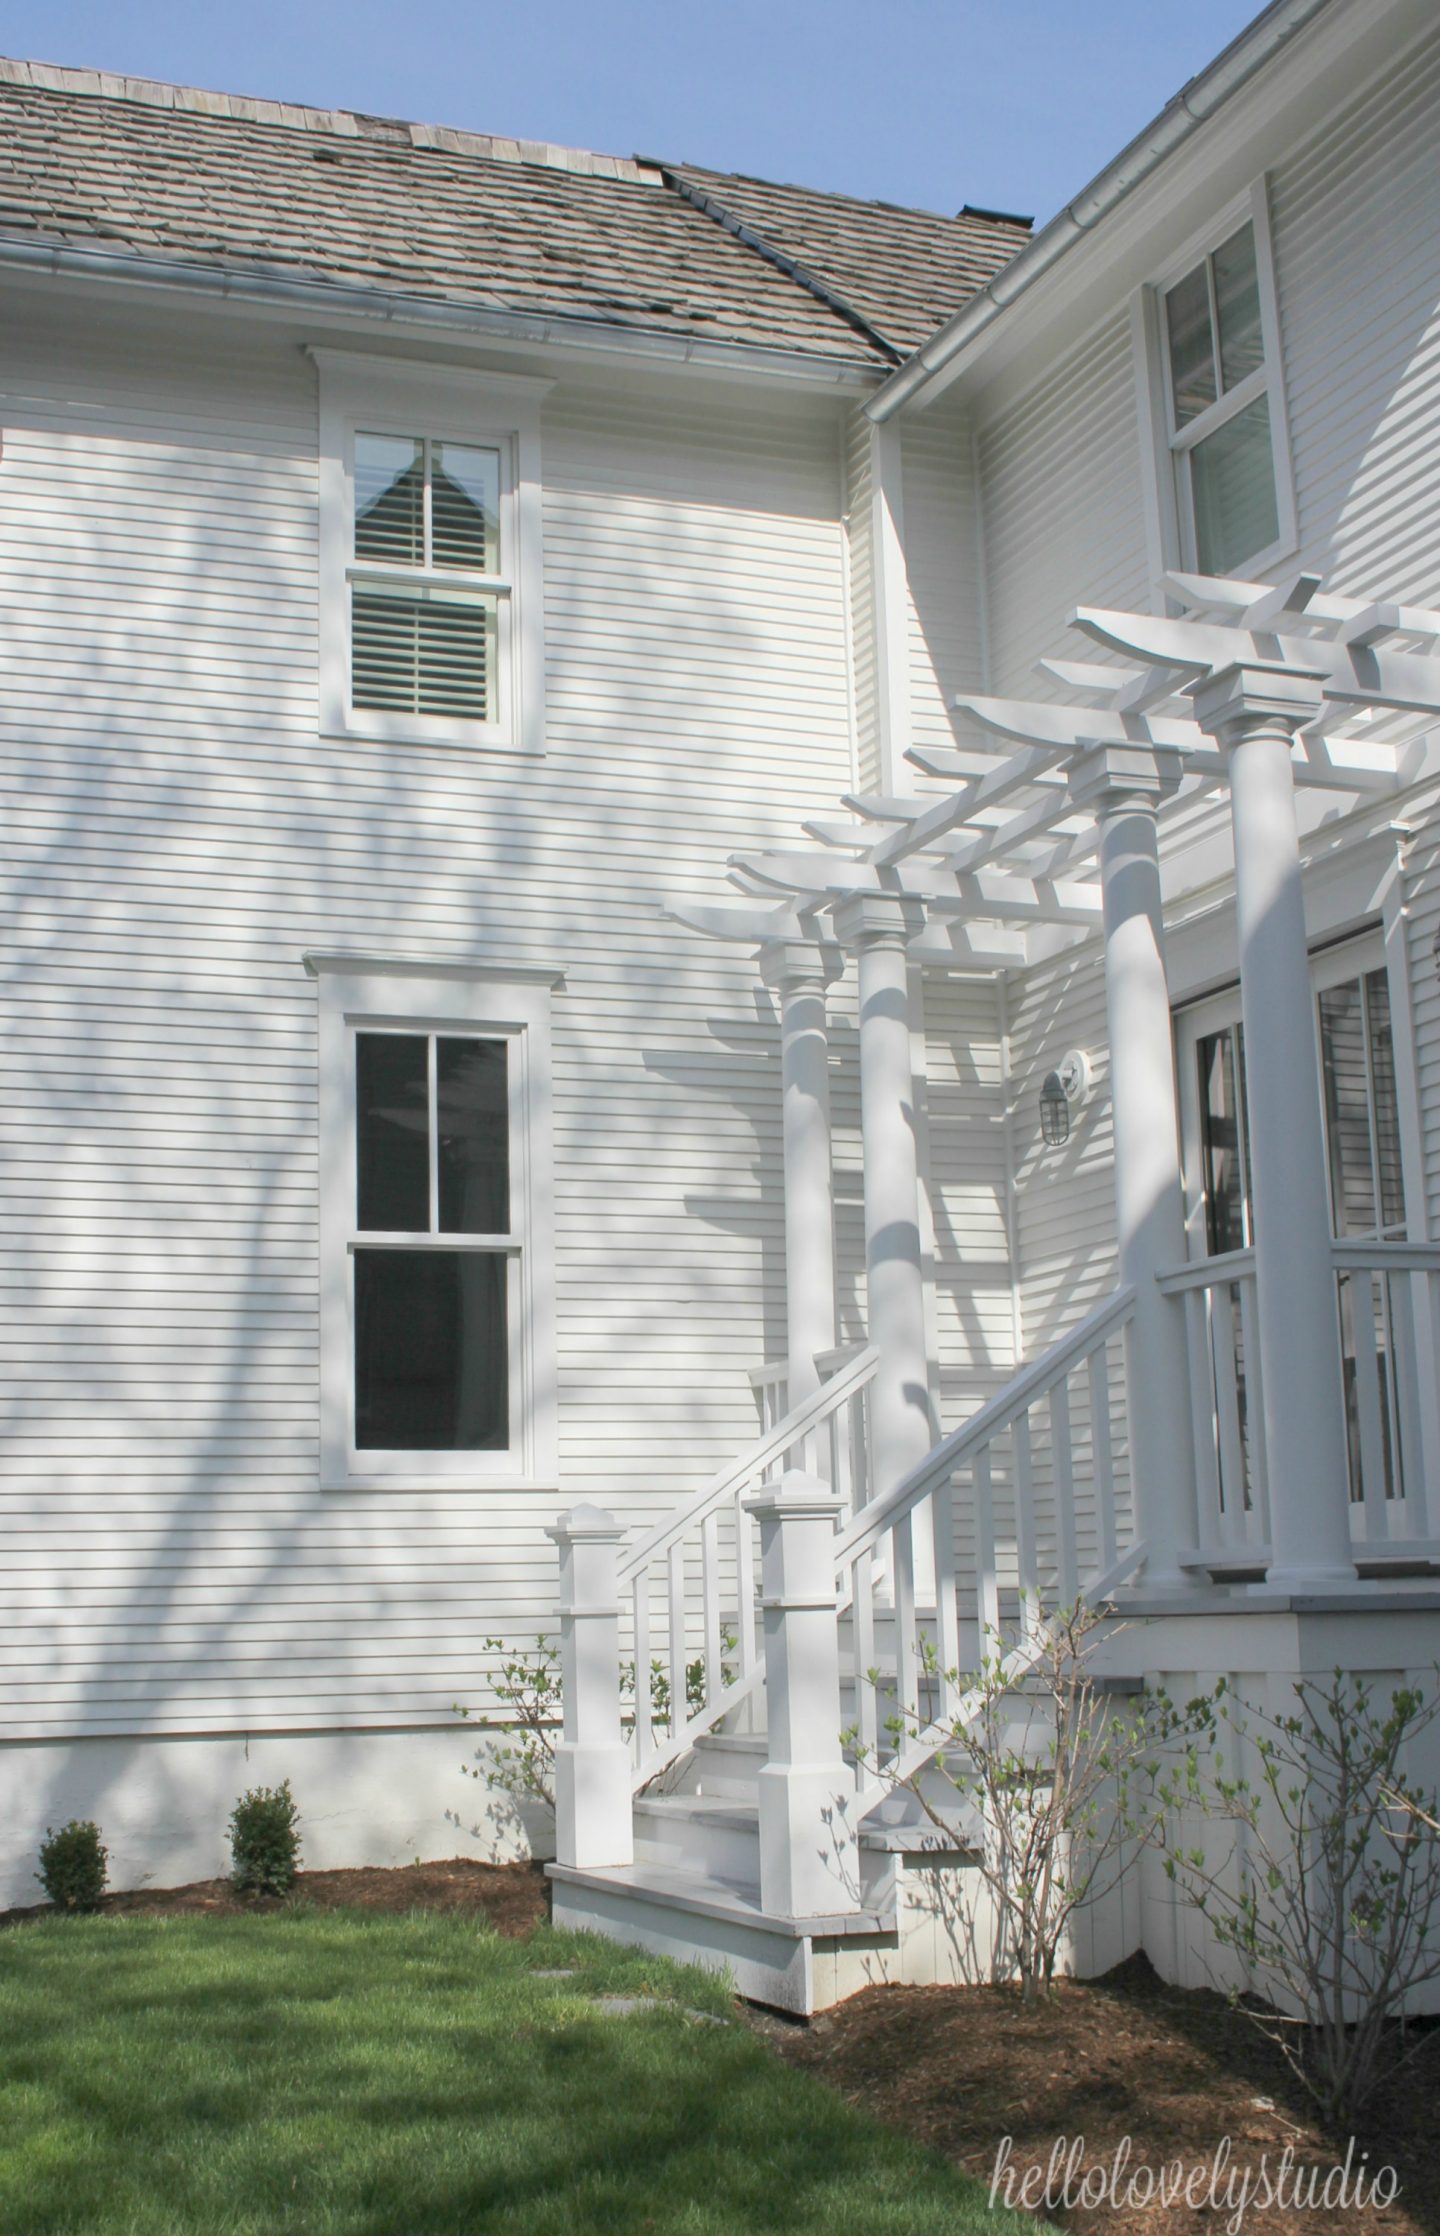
x=1214, y=303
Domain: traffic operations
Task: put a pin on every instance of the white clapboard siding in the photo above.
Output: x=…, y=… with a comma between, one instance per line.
x=968, y=1157
x=942, y=563
x=177, y=838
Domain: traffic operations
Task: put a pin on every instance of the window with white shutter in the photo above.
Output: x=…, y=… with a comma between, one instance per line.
x=430, y=554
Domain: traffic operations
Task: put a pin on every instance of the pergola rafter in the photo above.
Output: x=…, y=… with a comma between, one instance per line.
x=978, y=851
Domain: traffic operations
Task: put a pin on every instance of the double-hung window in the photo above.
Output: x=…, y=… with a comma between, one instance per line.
x=431, y=578
x=1214, y=379
x=437, y=1314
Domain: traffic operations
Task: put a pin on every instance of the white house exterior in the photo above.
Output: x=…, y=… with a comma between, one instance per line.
x=397, y=1151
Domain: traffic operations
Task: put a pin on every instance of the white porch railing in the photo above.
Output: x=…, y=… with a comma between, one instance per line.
x=1037, y=1465
x=705, y=1641
x=1388, y=1300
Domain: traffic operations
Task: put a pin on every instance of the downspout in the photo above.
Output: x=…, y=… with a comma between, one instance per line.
x=1194, y=105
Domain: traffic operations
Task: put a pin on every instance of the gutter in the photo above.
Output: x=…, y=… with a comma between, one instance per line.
x=1194, y=105
x=319, y=298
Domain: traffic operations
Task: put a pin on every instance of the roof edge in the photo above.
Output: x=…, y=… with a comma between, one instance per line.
x=380, y=307
x=1199, y=100
x=352, y=124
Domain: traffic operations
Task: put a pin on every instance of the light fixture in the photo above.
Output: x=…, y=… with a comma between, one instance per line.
x=1067, y=1085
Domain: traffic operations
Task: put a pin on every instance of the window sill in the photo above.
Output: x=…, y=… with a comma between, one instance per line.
x=407, y=1485
x=476, y=740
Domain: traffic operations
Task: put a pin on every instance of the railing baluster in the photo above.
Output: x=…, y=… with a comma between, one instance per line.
x=902, y=1556
x=1361, y=1284
x=1102, y=1455
x=710, y=1589
x=744, y=1585
x=987, y=1580
x=675, y=1568
x=1027, y=1558
x=1203, y=1427
x=947, y=1612
x=1258, y=1516
x=644, y=1729
x=1062, y=1468
x=1234, y=1487
x=862, y=1632
x=1406, y=1371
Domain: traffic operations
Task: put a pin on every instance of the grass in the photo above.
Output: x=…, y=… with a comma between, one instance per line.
x=358, y=2075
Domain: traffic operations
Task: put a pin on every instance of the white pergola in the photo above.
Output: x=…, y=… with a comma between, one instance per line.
x=1048, y=818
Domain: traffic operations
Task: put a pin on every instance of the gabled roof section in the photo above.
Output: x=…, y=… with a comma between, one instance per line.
x=179, y=177
x=898, y=273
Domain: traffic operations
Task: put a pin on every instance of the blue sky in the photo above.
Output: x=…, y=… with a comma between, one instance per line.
x=1012, y=104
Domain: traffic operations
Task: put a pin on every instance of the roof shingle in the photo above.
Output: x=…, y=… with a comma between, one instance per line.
x=166, y=172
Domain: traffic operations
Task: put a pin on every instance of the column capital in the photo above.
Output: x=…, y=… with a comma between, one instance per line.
x=1251, y=695
x=877, y=920
x=1104, y=778
x=787, y=964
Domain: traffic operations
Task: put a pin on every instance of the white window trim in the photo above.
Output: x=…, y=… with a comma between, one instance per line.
x=1168, y=536
x=514, y=1004
x=498, y=411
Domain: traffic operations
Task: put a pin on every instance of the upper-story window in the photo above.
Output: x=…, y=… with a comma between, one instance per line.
x=431, y=581
x=426, y=582
x=1225, y=498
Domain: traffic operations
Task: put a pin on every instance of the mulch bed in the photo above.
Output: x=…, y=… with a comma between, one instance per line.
x=514, y=1897
x=1174, y=2070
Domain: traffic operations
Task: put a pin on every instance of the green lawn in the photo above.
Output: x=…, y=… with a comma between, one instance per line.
x=380, y=2076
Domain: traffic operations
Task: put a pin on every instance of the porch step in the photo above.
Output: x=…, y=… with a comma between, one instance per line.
x=717, y=1834
x=701, y=1918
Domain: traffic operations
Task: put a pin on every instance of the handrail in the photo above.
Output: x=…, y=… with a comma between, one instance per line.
x=766, y=1449
x=874, y=1520
x=1348, y=1256
x=768, y=1373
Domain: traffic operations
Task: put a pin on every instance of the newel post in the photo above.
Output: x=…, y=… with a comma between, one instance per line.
x=807, y=1866
x=593, y=1824
x=1254, y=712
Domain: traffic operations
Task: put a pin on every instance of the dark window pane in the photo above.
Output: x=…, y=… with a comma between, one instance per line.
x=1223, y=1146
x=1192, y=348
x=392, y=1134
x=1387, y=1108
x=464, y=507
x=474, y=1125
x=431, y=1351
x=1347, y=1109
x=390, y=500
x=1237, y=299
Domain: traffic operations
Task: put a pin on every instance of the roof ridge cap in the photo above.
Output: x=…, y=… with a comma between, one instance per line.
x=353, y=124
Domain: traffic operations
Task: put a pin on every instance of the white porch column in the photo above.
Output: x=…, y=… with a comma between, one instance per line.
x=807, y=1853
x=799, y=972
x=876, y=928
x=1125, y=788
x=593, y=1825
x=1253, y=712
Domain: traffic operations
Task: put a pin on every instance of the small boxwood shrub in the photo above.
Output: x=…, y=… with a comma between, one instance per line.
x=73, y=1865
x=264, y=1841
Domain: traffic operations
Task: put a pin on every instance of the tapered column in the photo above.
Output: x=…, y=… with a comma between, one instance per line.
x=807, y=1863
x=876, y=928
x=593, y=1826
x=1254, y=713
x=1125, y=787
x=799, y=972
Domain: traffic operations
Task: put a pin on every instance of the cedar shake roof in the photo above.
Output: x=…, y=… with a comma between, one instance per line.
x=165, y=173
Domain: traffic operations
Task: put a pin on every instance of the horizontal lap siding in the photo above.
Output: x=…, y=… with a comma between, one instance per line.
x=941, y=552
x=968, y=1159
x=1357, y=253
x=176, y=839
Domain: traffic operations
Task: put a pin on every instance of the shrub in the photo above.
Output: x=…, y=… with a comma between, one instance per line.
x=264, y=1841
x=73, y=1865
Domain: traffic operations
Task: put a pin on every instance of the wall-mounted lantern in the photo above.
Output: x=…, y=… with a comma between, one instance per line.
x=1060, y=1090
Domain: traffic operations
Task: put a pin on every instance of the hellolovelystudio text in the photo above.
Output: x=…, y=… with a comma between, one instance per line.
x=1069, y=2177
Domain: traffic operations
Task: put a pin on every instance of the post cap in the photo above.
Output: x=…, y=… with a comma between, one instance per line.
x=592, y=1523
